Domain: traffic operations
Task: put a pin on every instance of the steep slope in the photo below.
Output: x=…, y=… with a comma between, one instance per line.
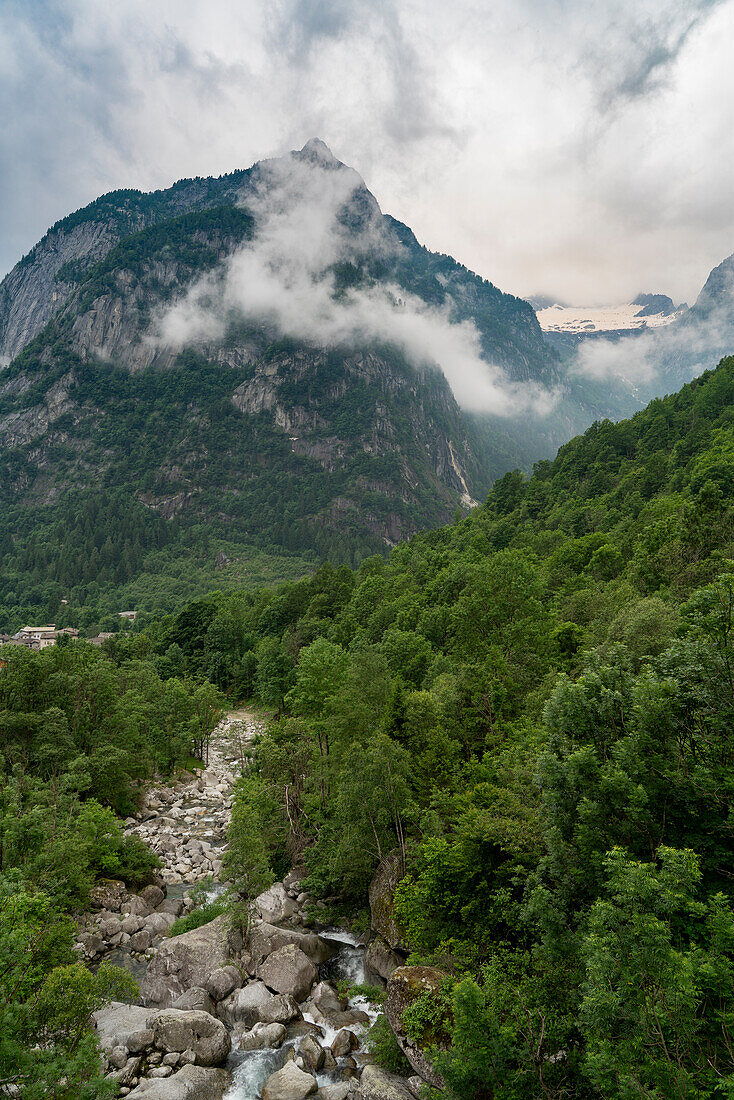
x=266, y=357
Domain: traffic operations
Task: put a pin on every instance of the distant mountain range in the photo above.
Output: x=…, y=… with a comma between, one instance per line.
x=258, y=362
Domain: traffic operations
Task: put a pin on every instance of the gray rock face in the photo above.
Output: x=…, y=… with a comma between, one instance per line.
x=266, y=938
x=312, y=1053
x=406, y=984
x=190, y=1083
x=185, y=961
x=198, y=1032
x=344, y=1043
x=289, y=1083
x=117, y=1022
x=197, y=998
x=289, y=971
x=260, y=1037
x=380, y=959
x=279, y=1010
x=274, y=905
x=377, y=1084
x=223, y=981
x=382, y=899
x=246, y=1005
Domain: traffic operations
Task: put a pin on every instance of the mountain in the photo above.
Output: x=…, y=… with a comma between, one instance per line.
x=260, y=360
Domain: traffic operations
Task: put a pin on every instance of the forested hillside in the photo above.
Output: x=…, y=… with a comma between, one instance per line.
x=534, y=708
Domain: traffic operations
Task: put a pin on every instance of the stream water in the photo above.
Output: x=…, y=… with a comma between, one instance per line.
x=251, y=1069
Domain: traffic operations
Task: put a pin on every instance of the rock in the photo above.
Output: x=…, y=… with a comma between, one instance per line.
x=186, y=961
x=288, y=970
x=178, y=1031
x=349, y=1018
x=344, y=1043
x=260, y=1037
x=141, y=941
x=171, y=1059
x=245, y=1004
x=338, y=1091
x=380, y=959
x=266, y=938
x=377, y=1084
x=289, y=1083
x=195, y=998
x=117, y=1023
x=190, y=1083
x=159, y=923
x=110, y=927
x=131, y=925
x=415, y=1084
x=108, y=894
x=161, y=1071
x=382, y=900
x=293, y=879
x=274, y=905
x=152, y=896
x=135, y=906
x=174, y=906
x=311, y=1053
x=117, y=1057
x=405, y=985
x=299, y=1028
x=279, y=1010
x=92, y=944
x=222, y=981
x=127, y=1075
x=138, y=1041
x=326, y=999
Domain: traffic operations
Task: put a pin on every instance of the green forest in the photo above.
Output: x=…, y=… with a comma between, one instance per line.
x=533, y=707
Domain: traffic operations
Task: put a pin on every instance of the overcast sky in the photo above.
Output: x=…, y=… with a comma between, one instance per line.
x=579, y=148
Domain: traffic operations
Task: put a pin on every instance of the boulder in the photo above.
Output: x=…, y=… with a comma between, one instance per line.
x=280, y=1010
x=196, y=1031
x=312, y=1054
x=377, y=1084
x=380, y=959
x=174, y=906
x=289, y=1083
x=288, y=970
x=138, y=1041
x=405, y=985
x=338, y=1091
x=382, y=900
x=344, y=1043
x=185, y=961
x=274, y=905
x=108, y=894
x=266, y=938
x=190, y=1083
x=245, y=1004
x=326, y=999
x=159, y=924
x=223, y=981
x=140, y=941
x=260, y=1037
x=127, y=1073
x=117, y=1022
x=152, y=896
x=197, y=998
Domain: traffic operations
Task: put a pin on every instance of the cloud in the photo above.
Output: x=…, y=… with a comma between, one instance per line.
x=555, y=146
x=284, y=279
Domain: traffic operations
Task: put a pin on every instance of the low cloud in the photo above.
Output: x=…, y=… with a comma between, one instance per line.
x=285, y=279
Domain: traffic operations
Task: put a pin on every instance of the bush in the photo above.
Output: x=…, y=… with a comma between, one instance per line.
x=383, y=1044
x=197, y=918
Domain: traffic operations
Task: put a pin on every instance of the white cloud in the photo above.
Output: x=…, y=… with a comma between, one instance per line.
x=583, y=149
x=283, y=279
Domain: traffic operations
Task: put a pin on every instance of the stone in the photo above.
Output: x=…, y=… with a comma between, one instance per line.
x=223, y=981
x=117, y=1022
x=288, y=970
x=130, y=925
x=380, y=959
x=128, y=1074
x=260, y=1037
x=161, y=1071
x=197, y=998
x=311, y=1053
x=135, y=906
x=338, y=1091
x=171, y=1059
x=190, y=1083
x=326, y=999
x=289, y=1083
x=344, y=1043
x=118, y=1056
x=245, y=1004
x=280, y=1010
x=141, y=941
x=159, y=923
x=405, y=985
x=274, y=905
x=138, y=1041
x=152, y=896
x=382, y=900
x=108, y=894
x=174, y=906
x=377, y=1084
x=92, y=944
x=178, y=1031
x=186, y=961
x=110, y=927
x=266, y=938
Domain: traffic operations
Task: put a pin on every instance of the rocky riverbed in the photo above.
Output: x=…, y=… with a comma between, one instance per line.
x=242, y=1014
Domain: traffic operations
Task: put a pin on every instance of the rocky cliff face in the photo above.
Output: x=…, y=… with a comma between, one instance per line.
x=135, y=367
